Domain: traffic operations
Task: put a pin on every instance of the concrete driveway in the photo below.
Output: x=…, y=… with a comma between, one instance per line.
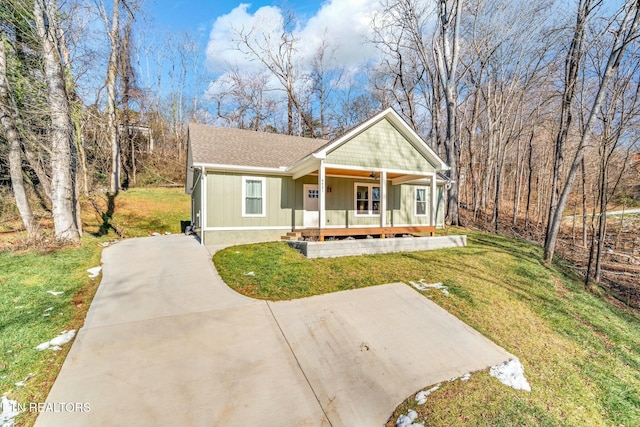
x=167, y=343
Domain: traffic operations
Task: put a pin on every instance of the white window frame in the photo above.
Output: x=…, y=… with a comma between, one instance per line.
x=263, y=182
x=426, y=201
x=370, y=185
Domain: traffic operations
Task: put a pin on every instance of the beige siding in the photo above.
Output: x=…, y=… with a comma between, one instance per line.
x=224, y=201
x=380, y=146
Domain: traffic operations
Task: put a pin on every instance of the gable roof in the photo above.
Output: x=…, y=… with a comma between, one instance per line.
x=229, y=147
x=400, y=125
x=211, y=145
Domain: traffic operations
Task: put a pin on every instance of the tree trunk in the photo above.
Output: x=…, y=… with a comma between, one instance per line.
x=602, y=229
x=529, y=181
x=11, y=135
x=517, y=185
x=112, y=74
x=597, y=239
x=36, y=164
x=584, y=206
x=447, y=52
x=451, y=152
x=471, y=132
x=63, y=196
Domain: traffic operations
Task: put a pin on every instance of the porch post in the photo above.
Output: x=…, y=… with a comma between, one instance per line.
x=321, y=197
x=434, y=199
x=383, y=199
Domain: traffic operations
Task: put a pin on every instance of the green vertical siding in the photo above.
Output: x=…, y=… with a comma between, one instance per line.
x=285, y=202
x=340, y=205
x=339, y=202
x=224, y=201
x=380, y=146
x=403, y=212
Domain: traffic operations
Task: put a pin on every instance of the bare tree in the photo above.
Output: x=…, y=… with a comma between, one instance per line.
x=573, y=62
x=447, y=52
x=324, y=79
x=63, y=195
x=113, y=31
x=242, y=100
x=399, y=32
x=617, y=122
x=8, y=112
x=277, y=52
x=129, y=92
x=406, y=23
x=621, y=38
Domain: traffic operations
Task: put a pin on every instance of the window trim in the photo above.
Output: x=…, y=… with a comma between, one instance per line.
x=370, y=186
x=263, y=183
x=426, y=201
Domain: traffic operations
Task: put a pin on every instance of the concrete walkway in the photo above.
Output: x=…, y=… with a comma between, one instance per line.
x=167, y=343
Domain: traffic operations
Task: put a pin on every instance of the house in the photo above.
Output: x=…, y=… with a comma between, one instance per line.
x=379, y=178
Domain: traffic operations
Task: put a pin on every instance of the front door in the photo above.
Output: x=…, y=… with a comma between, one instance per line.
x=311, y=217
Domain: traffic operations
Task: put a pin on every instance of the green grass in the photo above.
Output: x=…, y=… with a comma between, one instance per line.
x=26, y=276
x=29, y=315
x=141, y=211
x=581, y=353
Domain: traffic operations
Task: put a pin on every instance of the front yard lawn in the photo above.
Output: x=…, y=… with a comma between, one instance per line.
x=580, y=351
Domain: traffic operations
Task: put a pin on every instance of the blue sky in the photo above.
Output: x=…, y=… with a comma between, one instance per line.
x=212, y=25
x=194, y=15
x=343, y=25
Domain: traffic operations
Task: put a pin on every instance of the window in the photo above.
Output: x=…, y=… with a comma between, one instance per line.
x=421, y=201
x=367, y=199
x=253, y=197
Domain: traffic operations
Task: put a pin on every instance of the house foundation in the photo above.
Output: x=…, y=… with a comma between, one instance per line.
x=340, y=248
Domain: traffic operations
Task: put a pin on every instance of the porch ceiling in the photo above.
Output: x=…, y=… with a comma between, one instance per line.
x=356, y=174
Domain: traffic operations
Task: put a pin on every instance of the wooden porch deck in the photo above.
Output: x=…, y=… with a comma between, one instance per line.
x=381, y=232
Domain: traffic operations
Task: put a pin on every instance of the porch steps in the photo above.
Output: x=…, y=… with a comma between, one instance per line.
x=292, y=236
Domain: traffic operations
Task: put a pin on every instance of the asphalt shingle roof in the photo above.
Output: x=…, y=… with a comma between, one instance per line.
x=229, y=146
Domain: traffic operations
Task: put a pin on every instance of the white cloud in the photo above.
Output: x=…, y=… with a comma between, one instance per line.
x=344, y=25
x=222, y=49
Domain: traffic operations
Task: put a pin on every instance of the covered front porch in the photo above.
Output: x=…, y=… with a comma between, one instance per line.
x=349, y=201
